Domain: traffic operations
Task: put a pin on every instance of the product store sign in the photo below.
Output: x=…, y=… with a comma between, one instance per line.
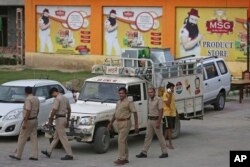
x=63, y=29
x=218, y=32
x=126, y=27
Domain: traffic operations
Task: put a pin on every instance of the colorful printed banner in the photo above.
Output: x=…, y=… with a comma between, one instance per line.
x=63, y=29
x=212, y=32
x=126, y=27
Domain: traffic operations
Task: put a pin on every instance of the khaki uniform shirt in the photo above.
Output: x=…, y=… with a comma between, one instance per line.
x=169, y=111
x=124, y=109
x=61, y=105
x=155, y=106
x=32, y=104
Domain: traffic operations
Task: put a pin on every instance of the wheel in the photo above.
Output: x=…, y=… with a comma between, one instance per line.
x=177, y=129
x=101, y=140
x=59, y=144
x=220, y=101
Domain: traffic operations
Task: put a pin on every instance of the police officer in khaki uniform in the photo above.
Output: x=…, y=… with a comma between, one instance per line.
x=29, y=126
x=124, y=108
x=61, y=112
x=154, y=125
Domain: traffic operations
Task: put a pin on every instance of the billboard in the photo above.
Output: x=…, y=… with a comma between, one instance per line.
x=212, y=32
x=63, y=29
x=125, y=27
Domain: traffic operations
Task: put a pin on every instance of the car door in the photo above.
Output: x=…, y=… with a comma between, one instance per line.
x=45, y=107
x=136, y=91
x=225, y=75
x=211, y=82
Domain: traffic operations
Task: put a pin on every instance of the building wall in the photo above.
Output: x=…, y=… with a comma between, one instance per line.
x=11, y=2
x=11, y=26
x=169, y=17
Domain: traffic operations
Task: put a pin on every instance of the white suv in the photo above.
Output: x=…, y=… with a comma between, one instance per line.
x=12, y=99
x=217, y=82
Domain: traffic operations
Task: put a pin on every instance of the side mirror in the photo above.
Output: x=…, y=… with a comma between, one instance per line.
x=42, y=99
x=130, y=98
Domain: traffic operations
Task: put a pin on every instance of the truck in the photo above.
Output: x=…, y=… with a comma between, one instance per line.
x=97, y=100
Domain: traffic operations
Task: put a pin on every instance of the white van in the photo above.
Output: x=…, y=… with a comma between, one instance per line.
x=216, y=82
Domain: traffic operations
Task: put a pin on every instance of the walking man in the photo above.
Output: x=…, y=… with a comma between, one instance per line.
x=61, y=111
x=124, y=108
x=154, y=125
x=169, y=113
x=29, y=126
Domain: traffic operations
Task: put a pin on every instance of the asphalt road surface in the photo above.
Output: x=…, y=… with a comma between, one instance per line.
x=203, y=143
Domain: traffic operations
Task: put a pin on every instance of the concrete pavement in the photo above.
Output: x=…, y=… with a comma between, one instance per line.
x=203, y=143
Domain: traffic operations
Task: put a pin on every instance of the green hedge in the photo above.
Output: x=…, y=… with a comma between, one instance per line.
x=8, y=61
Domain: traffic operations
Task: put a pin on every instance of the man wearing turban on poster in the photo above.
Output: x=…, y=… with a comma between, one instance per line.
x=44, y=32
x=111, y=34
x=190, y=36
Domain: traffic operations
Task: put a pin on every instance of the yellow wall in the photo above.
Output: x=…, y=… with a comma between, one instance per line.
x=96, y=19
x=169, y=15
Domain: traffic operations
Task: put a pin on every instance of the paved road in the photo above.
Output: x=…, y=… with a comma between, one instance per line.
x=204, y=143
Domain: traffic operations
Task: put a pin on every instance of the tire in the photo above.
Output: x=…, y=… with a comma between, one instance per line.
x=220, y=102
x=59, y=144
x=101, y=140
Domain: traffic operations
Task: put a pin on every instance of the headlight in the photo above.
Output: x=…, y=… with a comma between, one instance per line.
x=14, y=114
x=87, y=121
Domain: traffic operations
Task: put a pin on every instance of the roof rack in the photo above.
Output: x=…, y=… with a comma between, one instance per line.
x=146, y=68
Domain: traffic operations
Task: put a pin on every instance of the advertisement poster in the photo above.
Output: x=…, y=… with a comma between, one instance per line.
x=64, y=30
x=126, y=27
x=218, y=32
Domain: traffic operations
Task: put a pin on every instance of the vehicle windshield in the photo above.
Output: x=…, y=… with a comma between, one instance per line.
x=12, y=94
x=100, y=92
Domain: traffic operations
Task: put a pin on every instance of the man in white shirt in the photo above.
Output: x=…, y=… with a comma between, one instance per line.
x=111, y=34
x=44, y=32
x=190, y=36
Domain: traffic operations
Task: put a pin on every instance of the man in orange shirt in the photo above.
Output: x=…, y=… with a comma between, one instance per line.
x=169, y=113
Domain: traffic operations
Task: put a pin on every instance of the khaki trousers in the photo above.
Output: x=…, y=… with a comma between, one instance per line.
x=123, y=128
x=30, y=131
x=60, y=134
x=151, y=130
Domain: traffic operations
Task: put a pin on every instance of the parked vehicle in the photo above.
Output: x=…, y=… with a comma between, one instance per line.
x=217, y=82
x=98, y=96
x=12, y=98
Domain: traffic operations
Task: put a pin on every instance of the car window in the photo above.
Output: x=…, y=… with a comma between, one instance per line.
x=135, y=91
x=211, y=70
x=222, y=67
x=42, y=91
x=59, y=87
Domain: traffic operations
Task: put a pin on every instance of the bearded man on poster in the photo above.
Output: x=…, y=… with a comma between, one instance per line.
x=111, y=34
x=190, y=36
x=44, y=32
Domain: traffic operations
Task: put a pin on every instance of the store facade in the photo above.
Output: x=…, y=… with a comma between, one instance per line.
x=77, y=34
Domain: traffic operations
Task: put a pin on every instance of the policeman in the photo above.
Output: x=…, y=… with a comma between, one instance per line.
x=154, y=125
x=61, y=108
x=29, y=126
x=124, y=108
